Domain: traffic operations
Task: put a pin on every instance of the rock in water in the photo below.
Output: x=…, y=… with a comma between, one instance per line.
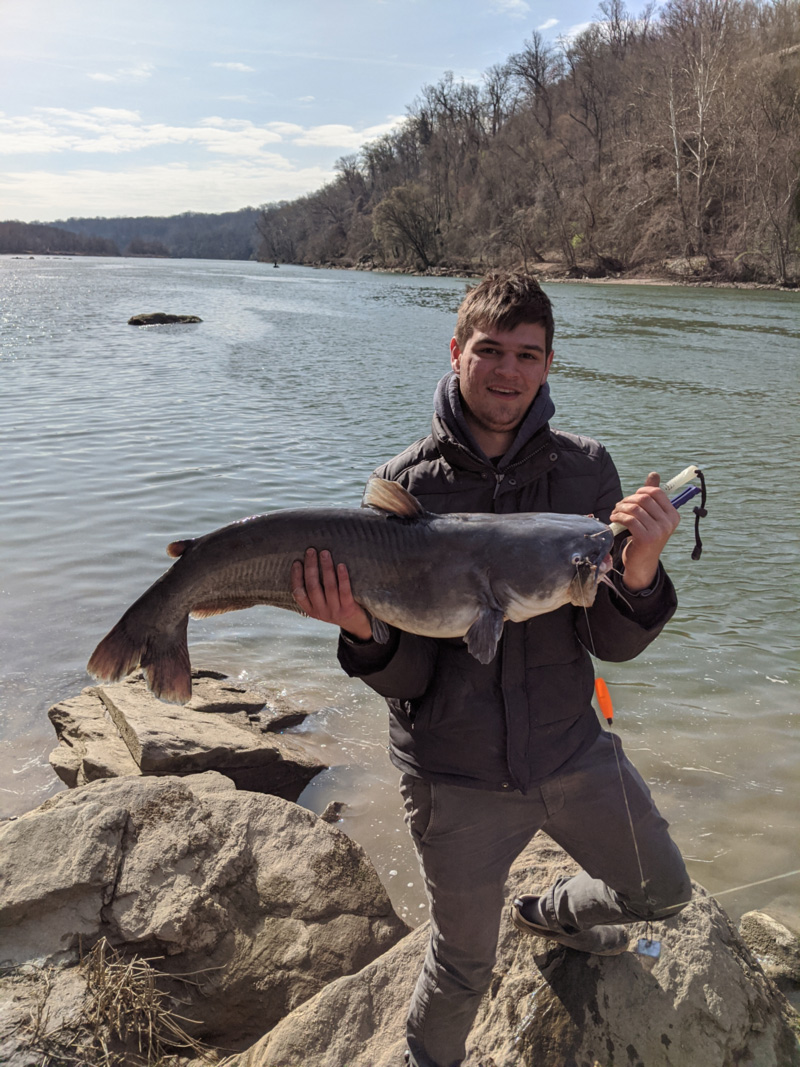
x=705, y=1003
x=263, y=901
x=160, y=318
x=115, y=730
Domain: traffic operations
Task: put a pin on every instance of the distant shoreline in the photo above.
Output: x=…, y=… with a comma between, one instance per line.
x=552, y=273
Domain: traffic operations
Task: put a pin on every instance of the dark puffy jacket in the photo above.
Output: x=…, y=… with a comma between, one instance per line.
x=522, y=717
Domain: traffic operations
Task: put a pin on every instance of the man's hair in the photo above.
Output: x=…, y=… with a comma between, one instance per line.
x=502, y=301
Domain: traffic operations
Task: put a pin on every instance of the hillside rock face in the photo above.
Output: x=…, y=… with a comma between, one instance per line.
x=704, y=1003
x=261, y=902
x=122, y=729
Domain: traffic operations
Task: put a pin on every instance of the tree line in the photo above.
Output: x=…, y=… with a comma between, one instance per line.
x=642, y=144
x=191, y=235
x=33, y=238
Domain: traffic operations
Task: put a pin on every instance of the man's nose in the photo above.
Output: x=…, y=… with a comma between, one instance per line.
x=507, y=364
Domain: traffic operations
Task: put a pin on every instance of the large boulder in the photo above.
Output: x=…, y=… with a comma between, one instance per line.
x=257, y=900
x=122, y=729
x=704, y=1003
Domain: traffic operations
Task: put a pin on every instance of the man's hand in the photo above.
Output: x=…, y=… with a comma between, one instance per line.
x=323, y=592
x=651, y=520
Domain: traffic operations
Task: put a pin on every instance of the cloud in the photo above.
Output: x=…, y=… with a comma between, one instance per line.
x=242, y=67
x=123, y=74
x=116, y=131
x=548, y=25
x=164, y=189
x=338, y=136
x=515, y=9
x=306, y=99
x=576, y=30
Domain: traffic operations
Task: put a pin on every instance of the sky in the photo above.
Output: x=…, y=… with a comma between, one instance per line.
x=155, y=107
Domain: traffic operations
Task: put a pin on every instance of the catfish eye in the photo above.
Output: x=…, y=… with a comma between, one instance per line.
x=575, y=558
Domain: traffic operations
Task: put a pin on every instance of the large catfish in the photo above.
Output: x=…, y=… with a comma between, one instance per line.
x=436, y=575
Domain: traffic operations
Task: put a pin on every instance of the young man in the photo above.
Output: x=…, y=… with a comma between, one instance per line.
x=492, y=753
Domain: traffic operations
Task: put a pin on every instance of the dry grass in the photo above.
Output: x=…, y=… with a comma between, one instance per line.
x=126, y=1020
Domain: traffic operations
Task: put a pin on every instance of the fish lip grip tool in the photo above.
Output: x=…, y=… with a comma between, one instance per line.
x=687, y=475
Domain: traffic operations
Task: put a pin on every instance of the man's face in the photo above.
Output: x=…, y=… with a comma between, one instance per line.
x=500, y=372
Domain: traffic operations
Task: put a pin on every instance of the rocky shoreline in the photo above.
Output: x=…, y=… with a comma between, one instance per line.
x=676, y=272
x=170, y=909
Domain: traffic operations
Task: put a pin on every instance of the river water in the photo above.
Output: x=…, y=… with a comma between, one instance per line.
x=115, y=440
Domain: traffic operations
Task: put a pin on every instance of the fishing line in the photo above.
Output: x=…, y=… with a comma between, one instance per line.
x=647, y=946
x=761, y=881
x=605, y=700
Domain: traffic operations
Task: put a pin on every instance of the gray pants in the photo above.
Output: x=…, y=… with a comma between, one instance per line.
x=467, y=840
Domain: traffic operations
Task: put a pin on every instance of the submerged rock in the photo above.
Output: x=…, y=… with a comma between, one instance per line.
x=160, y=318
x=704, y=1001
x=122, y=729
x=256, y=900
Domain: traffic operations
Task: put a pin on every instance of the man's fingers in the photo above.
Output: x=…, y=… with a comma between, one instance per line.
x=329, y=581
x=345, y=592
x=297, y=584
x=653, y=478
x=311, y=571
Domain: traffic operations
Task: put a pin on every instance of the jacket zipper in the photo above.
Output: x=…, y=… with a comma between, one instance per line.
x=500, y=476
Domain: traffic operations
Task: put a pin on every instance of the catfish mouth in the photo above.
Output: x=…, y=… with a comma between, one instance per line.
x=590, y=570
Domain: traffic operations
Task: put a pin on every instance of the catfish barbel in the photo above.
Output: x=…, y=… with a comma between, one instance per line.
x=435, y=575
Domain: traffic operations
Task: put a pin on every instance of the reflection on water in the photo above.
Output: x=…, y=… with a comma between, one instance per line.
x=117, y=440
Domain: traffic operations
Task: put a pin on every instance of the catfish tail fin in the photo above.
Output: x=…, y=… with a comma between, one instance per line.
x=118, y=654
x=166, y=665
x=164, y=658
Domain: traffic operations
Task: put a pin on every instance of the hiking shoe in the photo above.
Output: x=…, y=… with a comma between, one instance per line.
x=598, y=940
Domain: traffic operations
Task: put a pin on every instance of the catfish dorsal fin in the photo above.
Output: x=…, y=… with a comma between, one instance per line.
x=392, y=498
x=177, y=548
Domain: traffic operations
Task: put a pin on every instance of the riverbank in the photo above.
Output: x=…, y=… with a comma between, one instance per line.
x=678, y=272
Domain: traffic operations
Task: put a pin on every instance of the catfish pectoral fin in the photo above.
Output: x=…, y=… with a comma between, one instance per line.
x=380, y=631
x=484, y=634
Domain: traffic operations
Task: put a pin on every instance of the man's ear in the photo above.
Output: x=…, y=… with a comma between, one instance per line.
x=455, y=356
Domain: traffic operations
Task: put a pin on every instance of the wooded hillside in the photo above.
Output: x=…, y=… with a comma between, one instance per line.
x=33, y=237
x=191, y=235
x=641, y=143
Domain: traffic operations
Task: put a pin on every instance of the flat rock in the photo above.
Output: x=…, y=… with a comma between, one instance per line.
x=160, y=318
x=122, y=729
x=90, y=746
x=255, y=898
x=705, y=1002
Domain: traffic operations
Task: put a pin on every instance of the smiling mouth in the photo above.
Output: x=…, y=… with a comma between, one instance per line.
x=497, y=390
